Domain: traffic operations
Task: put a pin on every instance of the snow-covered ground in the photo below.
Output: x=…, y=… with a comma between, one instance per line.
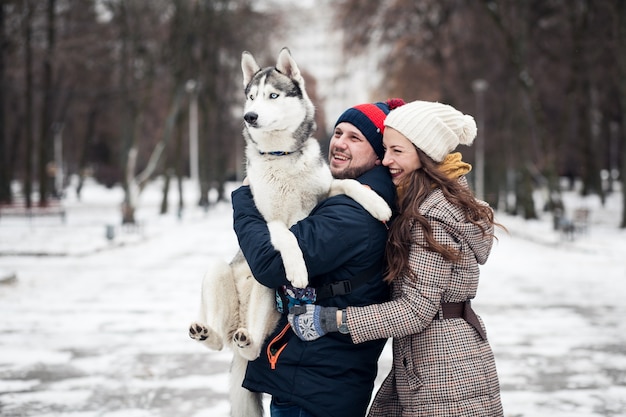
x=91, y=327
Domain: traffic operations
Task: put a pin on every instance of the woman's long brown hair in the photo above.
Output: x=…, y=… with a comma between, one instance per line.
x=411, y=194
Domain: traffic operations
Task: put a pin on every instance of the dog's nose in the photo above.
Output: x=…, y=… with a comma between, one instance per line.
x=250, y=117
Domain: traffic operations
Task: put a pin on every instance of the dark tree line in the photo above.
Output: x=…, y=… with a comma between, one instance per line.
x=555, y=104
x=108, y=81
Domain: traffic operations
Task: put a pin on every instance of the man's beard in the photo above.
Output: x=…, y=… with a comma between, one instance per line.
x=349, y=173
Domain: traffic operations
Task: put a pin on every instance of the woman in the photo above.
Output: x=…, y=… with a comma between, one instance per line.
x=442, y=362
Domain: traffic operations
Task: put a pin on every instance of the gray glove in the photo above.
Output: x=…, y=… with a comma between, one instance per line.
x=310, y=321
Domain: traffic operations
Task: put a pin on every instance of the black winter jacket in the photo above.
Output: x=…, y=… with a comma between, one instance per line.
x=331, y=376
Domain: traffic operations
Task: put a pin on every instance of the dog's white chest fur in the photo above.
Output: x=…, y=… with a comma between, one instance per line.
x=286, y=188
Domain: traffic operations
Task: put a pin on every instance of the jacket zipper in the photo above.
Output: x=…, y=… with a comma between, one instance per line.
x=273, y=354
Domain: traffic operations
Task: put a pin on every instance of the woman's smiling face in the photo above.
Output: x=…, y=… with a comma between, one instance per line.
x=400, y=155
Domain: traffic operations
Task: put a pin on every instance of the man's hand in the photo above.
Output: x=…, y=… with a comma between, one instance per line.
x=310, y=322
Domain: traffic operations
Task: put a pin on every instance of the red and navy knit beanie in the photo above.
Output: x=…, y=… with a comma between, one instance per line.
x=369, y=118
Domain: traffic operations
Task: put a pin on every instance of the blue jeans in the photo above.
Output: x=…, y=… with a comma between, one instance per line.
x=281, y=409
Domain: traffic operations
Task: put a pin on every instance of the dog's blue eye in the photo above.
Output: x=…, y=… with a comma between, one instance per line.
x=273, y=95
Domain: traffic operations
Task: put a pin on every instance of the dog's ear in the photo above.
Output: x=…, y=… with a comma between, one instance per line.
x=286, y=65
x=249, y=67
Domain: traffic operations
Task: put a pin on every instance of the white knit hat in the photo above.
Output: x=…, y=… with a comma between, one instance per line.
x=435, y=128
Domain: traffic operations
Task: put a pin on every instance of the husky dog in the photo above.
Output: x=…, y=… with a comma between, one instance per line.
x=288, y=177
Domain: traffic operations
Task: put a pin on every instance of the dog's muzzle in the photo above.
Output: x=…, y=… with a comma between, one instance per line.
x=251, y=118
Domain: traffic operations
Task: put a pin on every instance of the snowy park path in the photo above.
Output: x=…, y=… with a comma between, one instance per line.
x=99, y=328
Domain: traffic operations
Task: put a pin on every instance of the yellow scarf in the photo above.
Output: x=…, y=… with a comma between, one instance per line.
x=452, y=166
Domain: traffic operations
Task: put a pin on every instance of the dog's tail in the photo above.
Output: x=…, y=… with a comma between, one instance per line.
x=243, y=403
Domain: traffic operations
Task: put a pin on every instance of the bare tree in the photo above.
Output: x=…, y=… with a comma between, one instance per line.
x=5, y=182
x=140, y=41
x=228, y=27
x=621, y=63
x=28, y=69
x=46, y=165
x=181, y=57
x=136, y=183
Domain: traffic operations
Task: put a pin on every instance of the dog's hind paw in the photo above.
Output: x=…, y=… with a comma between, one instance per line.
x=246, y=347
x=198, y=332
x=242, y=338
x=205, y=335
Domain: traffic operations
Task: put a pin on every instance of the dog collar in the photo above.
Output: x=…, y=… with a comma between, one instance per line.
x=276, y=153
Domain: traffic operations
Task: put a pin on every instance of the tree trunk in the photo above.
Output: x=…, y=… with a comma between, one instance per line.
x=205, y=164
x=172, y=165
x=585, y=101
x=5, y=175
x=28, y=67
x=87, y=144
x=525, y=201
x=131, y=194
x=167, y=176
x=178, y=165
x=128, y=116
x=621, y=62
x=46, y=164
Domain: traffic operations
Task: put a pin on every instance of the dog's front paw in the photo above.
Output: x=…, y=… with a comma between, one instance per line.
x=205, y=335
x=298, y=280
x=364, y=195
x=295, y=271
x=379, y=209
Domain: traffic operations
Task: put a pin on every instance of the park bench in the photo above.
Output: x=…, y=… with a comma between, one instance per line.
x=18, y=208
x=577, y=224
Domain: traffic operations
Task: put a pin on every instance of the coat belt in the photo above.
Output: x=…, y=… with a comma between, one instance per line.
x=463, y=311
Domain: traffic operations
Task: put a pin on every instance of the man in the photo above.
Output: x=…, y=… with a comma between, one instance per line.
x=343, y=247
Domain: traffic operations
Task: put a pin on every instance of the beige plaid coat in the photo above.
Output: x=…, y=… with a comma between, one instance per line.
x=440, y=367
